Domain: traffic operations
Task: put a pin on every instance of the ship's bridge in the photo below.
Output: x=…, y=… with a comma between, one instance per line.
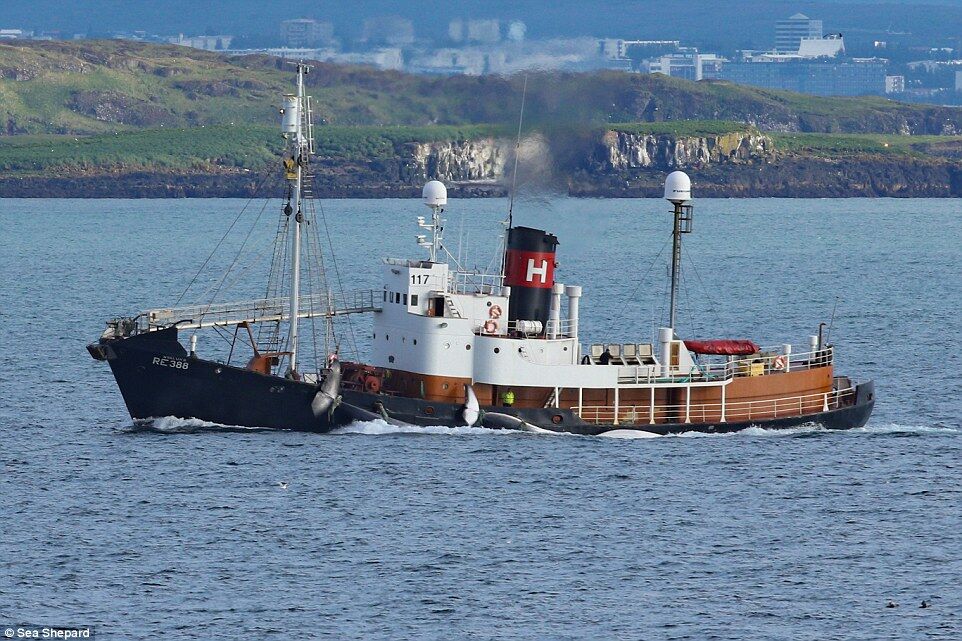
x=438, y=321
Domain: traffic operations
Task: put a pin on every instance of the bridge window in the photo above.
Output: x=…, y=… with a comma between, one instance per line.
x=405, y=299
x=414, y=300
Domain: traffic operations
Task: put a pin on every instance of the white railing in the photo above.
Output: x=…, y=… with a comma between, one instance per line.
x=261, y=310
x=464, y=282
x=755, y=365
x=564, y=329
x=717, y=412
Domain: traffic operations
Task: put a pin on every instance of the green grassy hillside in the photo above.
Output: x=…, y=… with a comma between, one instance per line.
x=218, y=147
x=89, y=87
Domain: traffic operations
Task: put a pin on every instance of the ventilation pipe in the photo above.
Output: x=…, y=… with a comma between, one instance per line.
x=665, y=336
x=574, y=298
x=554, y=320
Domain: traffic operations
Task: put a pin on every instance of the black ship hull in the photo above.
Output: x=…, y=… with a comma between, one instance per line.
x=157, y=378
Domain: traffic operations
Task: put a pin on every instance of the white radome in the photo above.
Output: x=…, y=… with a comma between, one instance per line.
x=435, y=194
x=678, y=187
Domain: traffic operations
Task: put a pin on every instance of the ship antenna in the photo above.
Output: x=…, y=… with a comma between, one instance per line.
x=828, y=333
x=517, y=153
x=514, y=180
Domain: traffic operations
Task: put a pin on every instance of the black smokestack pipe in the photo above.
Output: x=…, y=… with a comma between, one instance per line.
x=529, y=263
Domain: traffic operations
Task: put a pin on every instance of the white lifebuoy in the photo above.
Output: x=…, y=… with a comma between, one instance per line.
x=490, y=327
x=495, y=311
x=780, y=362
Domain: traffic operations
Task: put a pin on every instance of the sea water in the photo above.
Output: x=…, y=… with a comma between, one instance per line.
x=185, y=530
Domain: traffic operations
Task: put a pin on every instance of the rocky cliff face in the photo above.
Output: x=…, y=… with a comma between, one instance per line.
x=624, y=151
x=456, y=161
x=619, y=151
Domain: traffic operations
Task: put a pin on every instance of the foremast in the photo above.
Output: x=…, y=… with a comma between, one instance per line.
x=298, y=130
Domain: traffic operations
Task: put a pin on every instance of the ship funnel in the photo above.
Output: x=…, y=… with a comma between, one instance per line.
x=678, y=187
x=529, y=264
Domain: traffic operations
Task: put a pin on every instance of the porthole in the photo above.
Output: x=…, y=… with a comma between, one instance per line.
x=429, y=410
x=444, y=386
x=566, y=348
x=447, y=346
x=557, y=418
x=497, y=350
x=467, y=347
x=390, y=359
x=490, y=303
x=218, y=370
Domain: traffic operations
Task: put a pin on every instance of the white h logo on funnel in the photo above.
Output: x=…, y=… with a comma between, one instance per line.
x=540, y=271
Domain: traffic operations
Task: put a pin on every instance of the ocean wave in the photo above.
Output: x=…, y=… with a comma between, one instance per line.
x=380, y=427
x=903, y=428
x=176, y=425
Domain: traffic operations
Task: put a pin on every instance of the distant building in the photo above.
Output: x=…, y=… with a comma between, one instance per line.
x=790, y=32
x=517, y=31
x=12, y=34
x=830, y=46
x=958, y=80
x=389, y=30
x=384, y=58
x=687, y=63
x=468, y=61
x=484, y=31
x=478, y=31
x=642, y=55
x=894, y=84
x=307, y=33
x=854, y=78
x=207, y=43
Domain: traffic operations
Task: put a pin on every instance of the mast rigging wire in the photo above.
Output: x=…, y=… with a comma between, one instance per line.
x=257, y=189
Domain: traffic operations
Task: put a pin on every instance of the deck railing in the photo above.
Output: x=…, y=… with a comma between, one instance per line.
x=731, y=412
x=466, y=282
x=762, y=363
x=261, y=310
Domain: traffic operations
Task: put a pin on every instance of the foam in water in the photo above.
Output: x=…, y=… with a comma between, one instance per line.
x=629, y=434
x=379, y=426
x=898, y=428
x=175, y=425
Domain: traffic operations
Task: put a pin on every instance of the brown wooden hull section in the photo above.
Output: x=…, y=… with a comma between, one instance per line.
x=771, y=395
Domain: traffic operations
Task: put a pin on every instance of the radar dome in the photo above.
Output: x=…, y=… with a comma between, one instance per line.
x=678, y=187
x=435, y=194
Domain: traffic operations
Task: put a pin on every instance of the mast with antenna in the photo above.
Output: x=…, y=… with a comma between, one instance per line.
x=678, y=193
x=296, y=123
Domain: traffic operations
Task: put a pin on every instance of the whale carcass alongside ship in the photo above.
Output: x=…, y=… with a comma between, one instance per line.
x=457, y=347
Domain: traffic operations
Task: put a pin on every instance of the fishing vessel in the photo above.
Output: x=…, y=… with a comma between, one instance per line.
x=457, y=347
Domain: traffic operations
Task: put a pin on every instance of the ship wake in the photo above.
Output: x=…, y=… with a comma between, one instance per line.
x=380, y=427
